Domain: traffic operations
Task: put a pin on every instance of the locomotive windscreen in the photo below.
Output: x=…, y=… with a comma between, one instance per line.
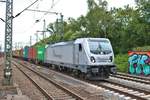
x=99, y=46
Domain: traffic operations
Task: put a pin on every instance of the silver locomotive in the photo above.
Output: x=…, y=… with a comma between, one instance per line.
x=92, y=58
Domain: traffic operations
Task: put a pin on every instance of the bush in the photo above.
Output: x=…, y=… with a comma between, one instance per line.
x=145, y=48
x=121, y=61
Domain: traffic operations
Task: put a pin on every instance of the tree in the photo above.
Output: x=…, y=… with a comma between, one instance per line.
x=126, y=27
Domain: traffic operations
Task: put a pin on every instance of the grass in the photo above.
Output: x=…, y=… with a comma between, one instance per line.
x=144, y=48
x=121, y=61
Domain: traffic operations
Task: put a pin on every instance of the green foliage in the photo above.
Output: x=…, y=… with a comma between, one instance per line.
x=145, y=48
x=121, y=60
x=126, y=27
x=50, y=40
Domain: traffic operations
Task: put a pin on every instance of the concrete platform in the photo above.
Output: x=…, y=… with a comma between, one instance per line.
x=12, y=93
x=17, y=97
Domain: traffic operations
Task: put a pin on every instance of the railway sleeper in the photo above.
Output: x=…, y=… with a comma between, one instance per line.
x=146, y=96
x=64, y=98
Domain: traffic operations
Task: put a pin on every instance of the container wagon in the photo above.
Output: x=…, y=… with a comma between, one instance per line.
x=32, y=54
x=16, y=53
x=25, y=53
x=40, y=55
x=21, y=53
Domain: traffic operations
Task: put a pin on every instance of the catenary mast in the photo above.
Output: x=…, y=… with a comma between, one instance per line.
x=8, y=42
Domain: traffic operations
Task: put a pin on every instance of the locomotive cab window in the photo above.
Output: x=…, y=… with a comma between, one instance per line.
x=99, y=47
x=80, y=47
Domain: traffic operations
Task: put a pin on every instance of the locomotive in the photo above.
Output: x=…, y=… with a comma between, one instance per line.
x=92, y=58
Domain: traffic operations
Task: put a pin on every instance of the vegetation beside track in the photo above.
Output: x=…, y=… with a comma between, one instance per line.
x=126, y=28
x=121, y=60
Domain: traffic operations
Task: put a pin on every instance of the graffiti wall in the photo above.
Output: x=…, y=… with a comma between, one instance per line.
x=139, y=62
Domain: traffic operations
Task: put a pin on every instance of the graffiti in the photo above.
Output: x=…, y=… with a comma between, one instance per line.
x=139, y=63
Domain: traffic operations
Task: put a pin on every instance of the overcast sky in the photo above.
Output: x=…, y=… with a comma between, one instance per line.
x=24, y=25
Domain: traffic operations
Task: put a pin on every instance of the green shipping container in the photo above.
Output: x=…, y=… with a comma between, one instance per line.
x=41, y=53
x=25, y=52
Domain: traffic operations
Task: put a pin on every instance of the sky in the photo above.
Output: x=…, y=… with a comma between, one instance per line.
x=25, y=25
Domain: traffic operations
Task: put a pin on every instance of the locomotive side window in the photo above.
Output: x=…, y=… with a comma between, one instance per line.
x=80, y=47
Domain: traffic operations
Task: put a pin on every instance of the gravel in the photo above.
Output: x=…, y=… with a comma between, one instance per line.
x=26, y=85
x=90, y=92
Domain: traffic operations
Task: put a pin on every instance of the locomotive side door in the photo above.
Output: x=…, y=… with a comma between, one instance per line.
x=77, y=54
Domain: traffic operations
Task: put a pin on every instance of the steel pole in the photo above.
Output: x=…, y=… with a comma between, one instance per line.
x=8, y=43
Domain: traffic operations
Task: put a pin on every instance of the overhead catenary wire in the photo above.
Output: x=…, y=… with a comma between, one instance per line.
x=53, y=5
x=2, y=1
x=43, y=11
x=2, y=19
x=25, y=9
x=46, y=12
x=21, y=11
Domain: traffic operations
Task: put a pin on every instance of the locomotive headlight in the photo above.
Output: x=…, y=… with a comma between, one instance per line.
x=93, y=59
x=111, y=58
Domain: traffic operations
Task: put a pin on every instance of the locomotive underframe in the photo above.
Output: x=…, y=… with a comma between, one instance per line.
x=100, y=72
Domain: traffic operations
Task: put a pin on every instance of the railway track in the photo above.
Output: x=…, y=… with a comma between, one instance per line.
x=142, y=83
x=140, y=88
x=145, y=80
x=126, y=90
x=51, y=89
x=133, y=91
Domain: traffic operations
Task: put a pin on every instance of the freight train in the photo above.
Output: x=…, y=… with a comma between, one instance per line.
x=92, y=58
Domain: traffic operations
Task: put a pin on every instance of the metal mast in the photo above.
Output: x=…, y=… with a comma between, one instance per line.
x=62, y=26
x=44, y=29
x=8, y=42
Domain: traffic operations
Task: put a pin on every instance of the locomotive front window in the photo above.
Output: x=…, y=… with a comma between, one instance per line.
x=99, y=47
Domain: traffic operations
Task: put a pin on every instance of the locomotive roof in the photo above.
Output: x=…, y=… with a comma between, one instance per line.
x=61, y=43
x=79, y=40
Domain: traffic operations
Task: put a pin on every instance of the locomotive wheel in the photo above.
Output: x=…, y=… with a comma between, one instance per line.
x=83, y=76
x=52, y=67
x=59, y=68
x=76, y=73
